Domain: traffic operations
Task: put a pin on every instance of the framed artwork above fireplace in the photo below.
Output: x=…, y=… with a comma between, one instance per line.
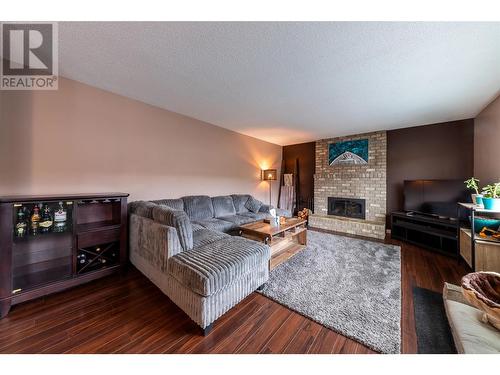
x=348, y=152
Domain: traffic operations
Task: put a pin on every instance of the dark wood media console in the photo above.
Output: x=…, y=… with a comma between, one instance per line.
x=430, y=232
x=90, y=243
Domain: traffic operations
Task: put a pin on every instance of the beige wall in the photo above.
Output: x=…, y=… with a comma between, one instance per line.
x=487, y=143
x=82, y=139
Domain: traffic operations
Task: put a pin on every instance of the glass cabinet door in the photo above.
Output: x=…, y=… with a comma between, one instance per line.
x=42, y=249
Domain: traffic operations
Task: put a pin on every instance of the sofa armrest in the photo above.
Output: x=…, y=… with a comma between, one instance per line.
x=153, y=241
x=453, y=292
x=177, y=219
x=141, y=208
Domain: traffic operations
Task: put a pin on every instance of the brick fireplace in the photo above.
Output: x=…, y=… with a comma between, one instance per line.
x=342, y=190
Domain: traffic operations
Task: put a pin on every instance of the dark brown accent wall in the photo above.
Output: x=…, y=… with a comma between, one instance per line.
x=487, y=144
x=438, y=151
x=305, y=152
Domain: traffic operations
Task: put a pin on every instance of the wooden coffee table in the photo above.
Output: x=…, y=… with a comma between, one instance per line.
x=285, y=240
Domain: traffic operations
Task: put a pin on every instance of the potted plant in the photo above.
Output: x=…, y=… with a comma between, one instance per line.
x=491, y=197
x=472, y=184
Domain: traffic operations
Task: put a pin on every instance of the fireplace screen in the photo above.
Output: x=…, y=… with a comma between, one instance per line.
x=347, y=207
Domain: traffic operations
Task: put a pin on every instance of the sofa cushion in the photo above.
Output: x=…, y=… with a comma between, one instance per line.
x=208, y=269
x=239, y=201
x=237, y=219
x=256, y=215
x=470, y=334
x=197, y=227
x=223, y=206
x=198, y=207
x=253, y=204
x=216, y=224
x=205, y=236
x=176, y=204
x=177, y=219
x=265, y=208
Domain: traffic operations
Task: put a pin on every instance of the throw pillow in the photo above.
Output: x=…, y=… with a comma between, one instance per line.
x=253, y=204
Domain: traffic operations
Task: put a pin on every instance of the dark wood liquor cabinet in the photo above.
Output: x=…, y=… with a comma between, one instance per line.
x=55, y=242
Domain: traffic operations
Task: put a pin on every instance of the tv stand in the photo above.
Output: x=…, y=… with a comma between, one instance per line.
x=428, y=231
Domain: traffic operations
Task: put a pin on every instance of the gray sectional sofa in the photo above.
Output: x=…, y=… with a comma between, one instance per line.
x=185, y=247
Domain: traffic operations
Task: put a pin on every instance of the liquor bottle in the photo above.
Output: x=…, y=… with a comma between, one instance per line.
x=61, y=214
x=81, y=259
x=46, y=220
x=59, y=227
x=35, y=219
x=21, y=224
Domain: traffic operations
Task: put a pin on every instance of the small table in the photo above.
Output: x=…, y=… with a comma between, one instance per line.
x=285, y=240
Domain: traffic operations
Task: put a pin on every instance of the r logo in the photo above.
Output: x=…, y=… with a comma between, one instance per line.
x=27, y=49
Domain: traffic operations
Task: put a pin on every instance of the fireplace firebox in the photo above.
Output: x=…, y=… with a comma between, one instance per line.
x=346, y=207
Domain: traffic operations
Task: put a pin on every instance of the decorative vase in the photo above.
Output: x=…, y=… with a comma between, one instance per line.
x=492, y=204
x=477, y=199
x=482, y=222
x=275, y=221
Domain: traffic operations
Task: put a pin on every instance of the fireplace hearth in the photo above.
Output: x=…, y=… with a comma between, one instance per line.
x=346, y=207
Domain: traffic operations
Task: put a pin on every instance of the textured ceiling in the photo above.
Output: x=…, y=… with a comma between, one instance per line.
x=292, y=82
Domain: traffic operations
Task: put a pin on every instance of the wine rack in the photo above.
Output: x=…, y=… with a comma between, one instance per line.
x=43, y=254
x=97, y=257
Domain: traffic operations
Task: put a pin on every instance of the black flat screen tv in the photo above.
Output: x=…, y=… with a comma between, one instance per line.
x=436, y=197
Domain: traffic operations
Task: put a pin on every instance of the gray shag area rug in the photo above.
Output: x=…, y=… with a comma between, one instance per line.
x=349, y=285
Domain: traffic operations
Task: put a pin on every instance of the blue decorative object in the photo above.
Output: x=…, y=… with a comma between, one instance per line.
x=348, y=152
x=481, y=222
x=491, y=203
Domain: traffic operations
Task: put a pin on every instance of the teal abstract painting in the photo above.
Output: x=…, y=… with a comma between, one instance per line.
x=348, y=152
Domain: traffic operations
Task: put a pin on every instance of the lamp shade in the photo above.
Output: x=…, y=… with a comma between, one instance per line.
x=269, y=174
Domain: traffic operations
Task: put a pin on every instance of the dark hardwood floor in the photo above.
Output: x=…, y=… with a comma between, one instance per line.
x=128, y=314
